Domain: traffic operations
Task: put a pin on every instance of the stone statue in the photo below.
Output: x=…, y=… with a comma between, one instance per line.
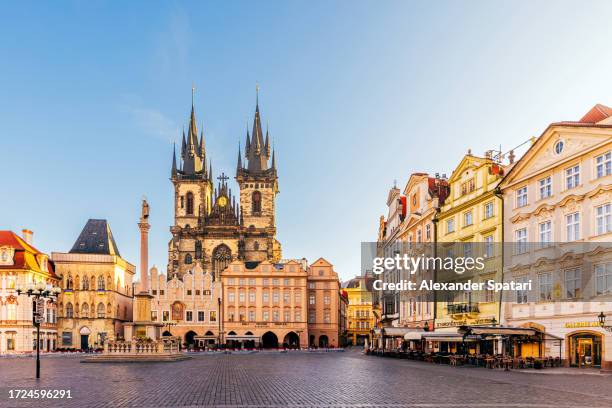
x=145, y=209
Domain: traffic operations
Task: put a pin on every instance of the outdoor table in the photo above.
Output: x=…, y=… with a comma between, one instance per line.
x=489, y=362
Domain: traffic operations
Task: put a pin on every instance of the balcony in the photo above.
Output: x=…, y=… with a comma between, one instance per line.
x=462, y=308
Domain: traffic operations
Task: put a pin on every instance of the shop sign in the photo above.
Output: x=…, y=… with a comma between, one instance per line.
x=575, y=325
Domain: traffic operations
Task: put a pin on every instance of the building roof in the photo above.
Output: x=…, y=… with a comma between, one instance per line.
x=25, y=256
x=597, y=113
x=96, y=238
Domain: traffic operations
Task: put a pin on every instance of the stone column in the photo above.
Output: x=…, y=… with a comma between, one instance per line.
x=144, y=247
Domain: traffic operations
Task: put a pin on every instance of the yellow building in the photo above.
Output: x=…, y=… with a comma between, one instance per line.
x=96, y=296
x=470, y=225
x=361, y=319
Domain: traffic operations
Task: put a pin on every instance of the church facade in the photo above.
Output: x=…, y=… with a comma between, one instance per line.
x=224, y=258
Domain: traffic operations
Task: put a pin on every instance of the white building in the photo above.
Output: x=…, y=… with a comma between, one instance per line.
x=558, y=217
x=20, y=265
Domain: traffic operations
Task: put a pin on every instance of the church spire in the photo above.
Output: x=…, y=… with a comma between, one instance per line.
x=267, y=145
x=173, y=160
x=257, y=156
x=239, y=166
x=202, y=143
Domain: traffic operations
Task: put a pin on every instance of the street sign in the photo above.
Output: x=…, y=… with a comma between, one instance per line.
x=38, y=314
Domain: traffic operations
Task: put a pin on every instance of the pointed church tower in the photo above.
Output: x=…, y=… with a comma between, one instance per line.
x=258, y=183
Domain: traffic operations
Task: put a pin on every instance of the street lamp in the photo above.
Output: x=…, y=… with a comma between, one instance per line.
x=602, y=322
x=39, y=292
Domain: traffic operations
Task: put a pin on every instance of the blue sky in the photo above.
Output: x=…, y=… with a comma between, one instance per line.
x=356, y=94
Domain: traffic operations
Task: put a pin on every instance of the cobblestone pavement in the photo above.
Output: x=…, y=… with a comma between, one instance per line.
x=296, y=379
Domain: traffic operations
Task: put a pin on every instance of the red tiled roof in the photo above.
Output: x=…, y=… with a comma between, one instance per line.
x=26, y=256
x=597, y=113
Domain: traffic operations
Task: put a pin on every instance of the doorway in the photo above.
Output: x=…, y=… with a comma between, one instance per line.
x=84, y=341
x=585, y=349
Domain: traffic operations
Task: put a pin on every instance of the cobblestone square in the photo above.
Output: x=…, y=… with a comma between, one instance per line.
x=296, y=379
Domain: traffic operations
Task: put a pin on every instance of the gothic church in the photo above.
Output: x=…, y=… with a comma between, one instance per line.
x=210, y=227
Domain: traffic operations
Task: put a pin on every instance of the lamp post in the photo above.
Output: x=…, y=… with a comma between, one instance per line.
x=39, y=292
x=602, y=322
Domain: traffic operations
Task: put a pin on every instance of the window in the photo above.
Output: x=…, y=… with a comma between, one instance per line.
x=312, y=316
x=188, y=259
x=189, y=316
x=311, y=299
x=286, y=281
x=573, y=283
x=327, y=317
x=428, y=232
x=419, y=236
x=521, y=295
x=521, y=197
x=467, y=187
x=603, y=278
x=252, y=297
x=275, y=297
x=467, y=218
x=488, y=246
x=85, y=283
x=256, y=202
x=266, y=316
x=545, y=187
x=327, y=300
x=559, y=147
x=188, y=292
x=153, y=315
x=241, y=297
x=275, y=316
x=572, y=177
x=286, y=298
x=213, y=316
x=251, y=315
x=165, y=315
x=161, y=292
x=101, y=311
x=275, y=282
x=231, y=281
x=298, y=298
x=521, y=240
x=488, y=210
x=201, y=316
x=311, y=285
x=545, y=285
x=231, y=297
x=603, y=219
x=450, y=226
x=66, y=338
x=298, y=316
x=572, y=226
x=266, y=297
x=251, y=281
x=100, y=282
x=604, y=164
x=545, y=233
x=190, y=203
x=266, y=282
x=69, y=311
x=286, y=316
x=467, y=249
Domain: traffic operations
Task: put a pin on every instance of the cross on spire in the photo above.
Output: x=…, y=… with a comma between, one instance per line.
x=223, y=178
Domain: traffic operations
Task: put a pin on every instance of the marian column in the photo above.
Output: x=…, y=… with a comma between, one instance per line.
x=144, y=247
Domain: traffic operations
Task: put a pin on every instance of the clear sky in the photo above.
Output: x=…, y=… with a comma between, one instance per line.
x=356, y=94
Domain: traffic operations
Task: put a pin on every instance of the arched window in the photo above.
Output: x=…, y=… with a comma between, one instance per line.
x=188, y=259
x=101, y=282
x=101, y=310
x=222, y=256
x=85, y=283
x=256, y=202
x=190, y=203
x=69, y=311
x=85, y=310
x=69, y=282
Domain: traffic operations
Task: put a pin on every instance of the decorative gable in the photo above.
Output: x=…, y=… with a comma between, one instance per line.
x=7, y=255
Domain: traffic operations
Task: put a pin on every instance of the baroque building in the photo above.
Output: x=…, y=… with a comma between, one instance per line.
x=21, y=264
x=96, y=283
x=210, y=225
x=360, y=310
x=558, y=217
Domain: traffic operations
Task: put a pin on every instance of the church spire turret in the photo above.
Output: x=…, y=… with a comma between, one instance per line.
x=173, y=160
x=257, y=152
x=239, y=166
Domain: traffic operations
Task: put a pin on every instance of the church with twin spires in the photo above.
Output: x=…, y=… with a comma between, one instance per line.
x=212, y=227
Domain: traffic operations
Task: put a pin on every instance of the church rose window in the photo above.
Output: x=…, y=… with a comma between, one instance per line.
x=256, y=200
x=222, y=256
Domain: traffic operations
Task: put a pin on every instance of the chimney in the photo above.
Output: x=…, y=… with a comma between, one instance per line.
x=511, y=156
x=27, y=235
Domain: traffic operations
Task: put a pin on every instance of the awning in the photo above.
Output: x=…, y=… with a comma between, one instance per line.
x=245, y=337
x=397, y=331
x=500, y=331
x=455, y=337
x=414, y=335
x=204, y=337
